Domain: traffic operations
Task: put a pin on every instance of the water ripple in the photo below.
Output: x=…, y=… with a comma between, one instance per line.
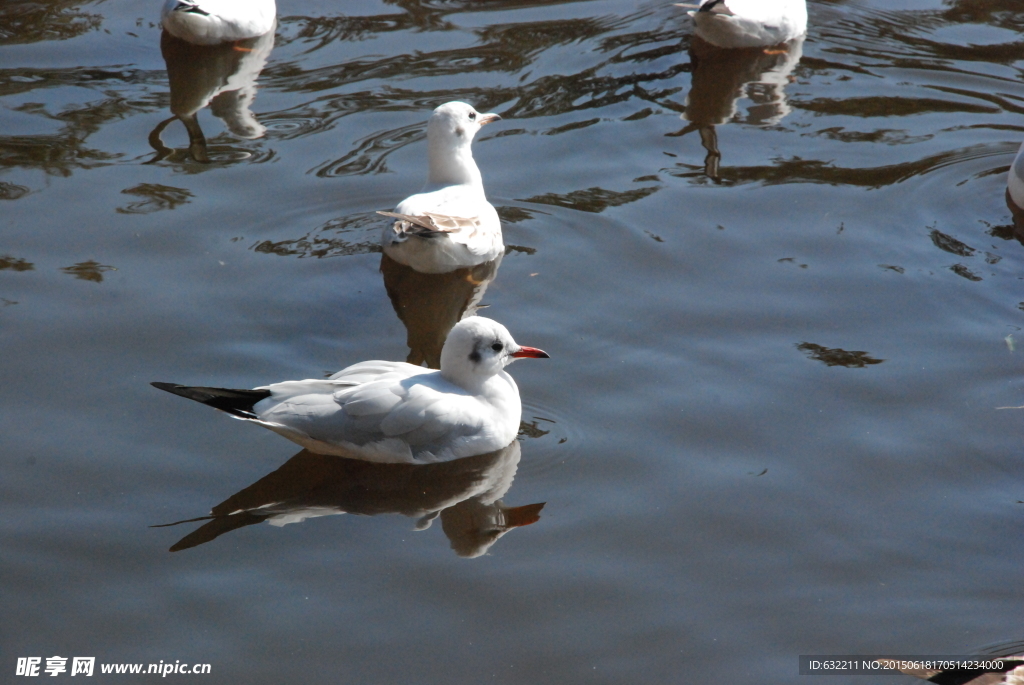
x=551, y=438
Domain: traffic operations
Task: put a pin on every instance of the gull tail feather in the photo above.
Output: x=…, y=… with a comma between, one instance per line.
x=238, y=403
x=215, y=528
x=427, y=222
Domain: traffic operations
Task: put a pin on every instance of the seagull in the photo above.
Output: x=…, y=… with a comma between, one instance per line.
x=449, y=224
x=394, y=412
x=208, y=22
x=749, y=23
x=1015, y=179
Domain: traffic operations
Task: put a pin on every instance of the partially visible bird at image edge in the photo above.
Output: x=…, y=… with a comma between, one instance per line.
x=208, y=22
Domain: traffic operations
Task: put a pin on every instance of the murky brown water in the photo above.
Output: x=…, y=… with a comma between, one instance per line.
x=782, y=294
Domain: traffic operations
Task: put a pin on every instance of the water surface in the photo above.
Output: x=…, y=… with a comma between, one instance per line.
x=782, y=411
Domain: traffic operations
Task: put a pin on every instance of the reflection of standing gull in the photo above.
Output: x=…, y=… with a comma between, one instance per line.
x=393, y=411
x=430, y=304
x=221, y=76
x=449, y=224
x=749, y=23
x=722, y=77
x=208, y=22
x=466, y=493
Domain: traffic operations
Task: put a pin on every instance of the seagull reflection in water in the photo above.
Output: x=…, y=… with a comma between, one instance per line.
x=465, y=493
x=721, y=77
x=221, y=76
x=431, y=304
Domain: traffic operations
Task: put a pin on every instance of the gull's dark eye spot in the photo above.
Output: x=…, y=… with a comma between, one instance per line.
x=472, y=116
x=497, y=347
x=474, y=356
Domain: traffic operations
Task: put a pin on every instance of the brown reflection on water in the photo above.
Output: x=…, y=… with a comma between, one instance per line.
x=221, y=77
x=430, y=304
x=12, y=191
x=155, y=197
x=884, y=37
x=593, y=200
x=89, y=270
x=30, y=22
x=721, y=77
x=498, y=49
x=836, y=356
x=465, y=493
x=797, y=170
x=15, y=263
x=60, y=153
x=349, y=235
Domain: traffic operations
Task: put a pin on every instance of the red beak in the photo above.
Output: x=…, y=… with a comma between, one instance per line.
x=531, y=352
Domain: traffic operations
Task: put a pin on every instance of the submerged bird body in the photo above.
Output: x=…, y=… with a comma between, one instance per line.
x=449, y=224
x=392, y=411
x=208, y=22
x=749, y=23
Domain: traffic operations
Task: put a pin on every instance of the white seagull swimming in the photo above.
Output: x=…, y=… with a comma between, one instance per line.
x=208, y=22
x=449, y=224
x=749, y=23
x=395, y=412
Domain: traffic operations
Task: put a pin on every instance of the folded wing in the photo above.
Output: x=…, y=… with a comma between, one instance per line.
x=401, y=402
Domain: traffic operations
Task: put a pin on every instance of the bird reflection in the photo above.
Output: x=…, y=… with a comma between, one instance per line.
x=722, y=76
x=465, y=493
x=431, y=304
x=221, y=76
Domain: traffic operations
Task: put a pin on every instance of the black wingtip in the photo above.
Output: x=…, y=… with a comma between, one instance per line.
x=235, y=402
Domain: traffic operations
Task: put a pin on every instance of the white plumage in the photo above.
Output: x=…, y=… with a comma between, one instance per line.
x=1015, y=179
x=449, y=224
x=749, y=23
x=207, y=22
x=393, y=411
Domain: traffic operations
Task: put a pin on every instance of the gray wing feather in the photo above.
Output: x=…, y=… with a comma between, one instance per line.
x=412, y=413
x=371, y=401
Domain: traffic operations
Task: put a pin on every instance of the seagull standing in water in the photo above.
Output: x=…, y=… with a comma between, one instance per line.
x=208, y=22
x=749, y=23
x=449, y=224
x=395, y=412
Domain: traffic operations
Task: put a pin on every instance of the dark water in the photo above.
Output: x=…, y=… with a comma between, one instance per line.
x=774, y=422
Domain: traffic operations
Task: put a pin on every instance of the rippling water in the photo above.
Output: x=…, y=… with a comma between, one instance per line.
x=782, y=295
